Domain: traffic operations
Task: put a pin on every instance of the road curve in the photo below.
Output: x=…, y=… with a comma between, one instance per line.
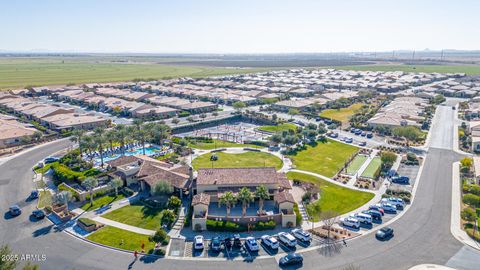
x=422, y=235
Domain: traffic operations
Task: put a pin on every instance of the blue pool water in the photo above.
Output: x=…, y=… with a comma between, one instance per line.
x=149, y=151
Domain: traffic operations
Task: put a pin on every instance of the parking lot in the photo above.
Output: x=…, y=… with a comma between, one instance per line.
x=411, y=171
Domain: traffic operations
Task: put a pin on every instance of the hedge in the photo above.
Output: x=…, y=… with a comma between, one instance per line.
x=228, y=226
x=298, y=216
x=473, y=189
x=262, y=226
x=127, y=192
x=87, y=222
x=259, y=143
x=62, y=173
x=74, y=193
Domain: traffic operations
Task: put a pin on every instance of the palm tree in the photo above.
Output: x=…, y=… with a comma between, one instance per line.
x=110, y=136
x=160, y=132
x=115, y=184
x=245, y=196
x=77, y=135
x=229, y=200
x=88, y=143
x=262, y=194
x=121, y=136
x=90, y=183
x=99, y=140
x=62, y=198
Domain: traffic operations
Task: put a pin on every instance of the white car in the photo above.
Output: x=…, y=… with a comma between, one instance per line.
x=364, y=218
x=388, y=207
x=270, y=241
x=397, y=202
x=350, y=222
x=302, y=235
x=287, y=239
x=252, y=244
x=198, y=242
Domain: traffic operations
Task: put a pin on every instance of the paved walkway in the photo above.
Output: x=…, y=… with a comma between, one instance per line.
x=123, y=226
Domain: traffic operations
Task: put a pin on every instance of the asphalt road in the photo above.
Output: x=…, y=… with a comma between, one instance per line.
x=422, y=234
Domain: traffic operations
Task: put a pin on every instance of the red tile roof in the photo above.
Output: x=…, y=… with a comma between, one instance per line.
x=238, y=176
x=201, y=198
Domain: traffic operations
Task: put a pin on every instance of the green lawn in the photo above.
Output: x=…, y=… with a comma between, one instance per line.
x=332, y=197
x=114, y=237
x=44, y=199
x=356, y=163
x=325, y=158
x=278, y=128
x=343, y=114
x=372, y=167
x=137, y=215
x=218, y=144
x=247, y=159
x=99, y=202
x=22, y=72
x=470, y=69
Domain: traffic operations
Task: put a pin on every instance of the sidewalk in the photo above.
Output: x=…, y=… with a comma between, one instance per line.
x=455, y=221
x=123, y=226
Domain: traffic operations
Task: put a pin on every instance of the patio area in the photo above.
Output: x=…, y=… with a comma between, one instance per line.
x=269, y=207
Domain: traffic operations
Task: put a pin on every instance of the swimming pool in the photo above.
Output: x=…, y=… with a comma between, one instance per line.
x=149, y=151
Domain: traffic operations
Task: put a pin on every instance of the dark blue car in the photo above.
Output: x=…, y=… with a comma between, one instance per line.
x=400, y=180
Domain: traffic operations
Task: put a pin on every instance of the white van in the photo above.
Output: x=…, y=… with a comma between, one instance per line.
x=287, y=239
x=350, y=222
x=364, y=218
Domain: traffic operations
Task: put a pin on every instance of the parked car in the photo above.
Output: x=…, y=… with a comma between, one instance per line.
x=364, y=218
x=302, y=235
x=287, y=239
x=358, y=132
x=215, y=244
x=50, y=160
x=350, y=222
x=377, y=207
x=318, y=119
x=236, y=241
x=353, y=130
x=290, y=259
x=400, y=180
x=38, y=214
x=270, y=241
x=227, y=242
x=369, y=135
x=15, y=210
x=397, y=202
x=384, y=233
x=198, y=242
x=251, y=244
x=348, y=140
x=389, y=208
x=33, y=195
x=362, y=143
x=374, y=214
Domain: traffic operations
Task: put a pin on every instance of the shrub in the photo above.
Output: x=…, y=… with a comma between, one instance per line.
x=188, y=217
x=473, y=189
x=158, y=252
x=472, y=200
x=468, y=214
x=197, y=227
x=214, y=225
x=87, y=222
x=63, y=187
x=183, y=114
x=261, y=226
x=159, y=237
x=174, y=203
x=168, y=217
x=127, y=192
x=259, y=143
x=473, y=234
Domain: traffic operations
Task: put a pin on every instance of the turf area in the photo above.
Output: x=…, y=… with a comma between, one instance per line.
x=332, y=197
x=218, y=144
x=23, y=72
x=326, y=158
x=372, y=168
x=343, y=114
x=99, y=202
x=247, y=159
x=44, y=199
x=468, y=69
x=114, y=237
x=278, y=128
x=355, y=165
x=137, y=215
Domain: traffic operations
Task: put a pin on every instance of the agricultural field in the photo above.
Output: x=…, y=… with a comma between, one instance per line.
x=247, y=159
x=342, y=114
x=468, y=69
x=333, y=197
x=23, y=72
x=326, y=158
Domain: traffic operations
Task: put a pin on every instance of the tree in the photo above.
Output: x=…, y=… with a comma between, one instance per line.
x=89, y=144
x=160, y=132
x=168, y=217
x=121, y=135
x=238, y=106
x=77, y=135
x=438, y=99
x=292, y=112
x=411, y=133
x=5, y=264
x=276, y=138
x=37, y=135
x=329, y=218
x=261, y=193
x=466, y=162
x=162, y=188
x=110, y=137
x=159, y=236
x=62, y=197
x=30, y=266
x=215, y=114
x=190, y=119
x=469, y=214
x=174, y=203
x=175, y=121
x=388, y=158
x=90, y=183
x=245, y=196
x=116, y=183
x=203, y=115
x=228, y=199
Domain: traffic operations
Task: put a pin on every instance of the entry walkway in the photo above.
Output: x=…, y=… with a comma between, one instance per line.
x=123, y=226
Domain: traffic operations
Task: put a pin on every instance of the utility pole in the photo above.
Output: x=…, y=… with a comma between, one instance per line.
x=441, y=56
x=413, y=55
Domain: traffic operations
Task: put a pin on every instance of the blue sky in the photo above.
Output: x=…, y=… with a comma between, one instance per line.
x=262, y=26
